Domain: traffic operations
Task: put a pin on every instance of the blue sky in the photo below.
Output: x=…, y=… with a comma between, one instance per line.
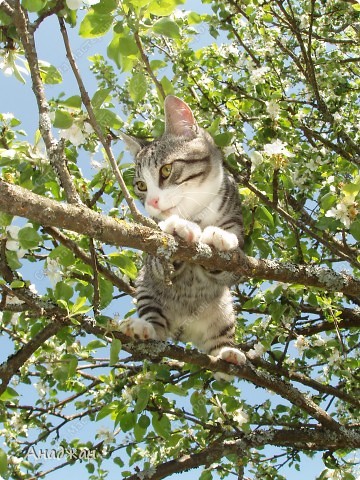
x=19, y=99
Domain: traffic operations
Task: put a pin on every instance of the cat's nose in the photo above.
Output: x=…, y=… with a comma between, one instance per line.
x=154, y=202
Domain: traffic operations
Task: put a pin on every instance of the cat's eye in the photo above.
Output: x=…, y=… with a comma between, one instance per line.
x=165, y=170
x=141, y=186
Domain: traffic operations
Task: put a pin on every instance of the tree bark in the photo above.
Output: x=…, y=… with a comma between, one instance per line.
x=16, y=200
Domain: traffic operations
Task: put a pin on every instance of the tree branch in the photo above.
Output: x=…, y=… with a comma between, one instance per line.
x=80, y=253
x=54, y=149
x=312, y=439
x=10, y=367
x=97, y=128
x=16, y=200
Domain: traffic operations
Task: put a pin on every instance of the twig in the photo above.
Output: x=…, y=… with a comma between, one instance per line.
x=5, y=7
x=148, y=68
x=55, y=151
x=96, y=286
x=95, y=125
x=80, y=253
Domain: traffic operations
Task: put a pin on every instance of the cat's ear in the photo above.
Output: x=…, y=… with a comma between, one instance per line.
x=179, y=119
x=133, y=144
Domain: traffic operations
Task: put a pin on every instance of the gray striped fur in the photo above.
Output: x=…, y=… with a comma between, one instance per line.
x=195, y=197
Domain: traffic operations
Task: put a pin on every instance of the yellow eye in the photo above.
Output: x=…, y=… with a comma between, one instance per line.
x=141, y=186
x=165, y=170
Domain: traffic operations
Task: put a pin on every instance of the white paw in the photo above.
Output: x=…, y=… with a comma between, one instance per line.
x=188, y=231
x=138, y=328
x=231, y=355
x=219, y=238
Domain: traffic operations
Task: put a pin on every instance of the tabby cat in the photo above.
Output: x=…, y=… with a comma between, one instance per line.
x=181, y=181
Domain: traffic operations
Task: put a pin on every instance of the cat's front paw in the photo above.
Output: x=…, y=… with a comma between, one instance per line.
x=185, y=229
x=230, y=355
x=219, y=238
x=138, y=329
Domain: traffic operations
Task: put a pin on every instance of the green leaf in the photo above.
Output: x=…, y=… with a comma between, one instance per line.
x=127, y=45
x=62, y=119
x=5, y=219
x=99, y=97
x=3, y=462
x=139, y=432
x=108, y=119
x=105, y=6
x=127, y=421
x=73, y=102
x=17, y=284
x=355, y=230
x=95, y=25
x=70, y=363
x=95, y=344
x=167, y=27
x=79, y=307
x=8, y=394
x=162, y=8
x=144, y=421
x=33, y=5
x=161, y=425
x=29, y=238
x=223, y=139
x=63, y=291
x=328, y=200
x=63, y=255
x=138, y=87
x=124, y=262
x=206, y=475
x=106, y=292
x=4, y=19
x=115, y=349
x=264, y=214
x=198, y=402
x=142, y=400
x=49, y=74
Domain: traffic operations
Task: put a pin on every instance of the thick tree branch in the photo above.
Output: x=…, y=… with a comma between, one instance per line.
x=312, y=439
x=16, y=200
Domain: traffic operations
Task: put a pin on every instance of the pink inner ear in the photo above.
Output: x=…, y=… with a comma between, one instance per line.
x=179, y=119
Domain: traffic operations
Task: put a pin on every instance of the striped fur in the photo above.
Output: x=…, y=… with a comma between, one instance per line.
x=196, y=199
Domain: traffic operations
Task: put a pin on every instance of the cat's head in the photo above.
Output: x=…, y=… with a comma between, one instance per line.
x=181, y=172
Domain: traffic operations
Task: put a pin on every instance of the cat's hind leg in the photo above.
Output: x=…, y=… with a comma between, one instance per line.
x=218, y=326
x=152, y=323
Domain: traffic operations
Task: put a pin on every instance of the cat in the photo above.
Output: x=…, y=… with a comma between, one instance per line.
x=181, y=181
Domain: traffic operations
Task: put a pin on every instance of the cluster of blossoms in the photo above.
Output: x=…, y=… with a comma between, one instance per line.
x=79, y=131
x=346, y=211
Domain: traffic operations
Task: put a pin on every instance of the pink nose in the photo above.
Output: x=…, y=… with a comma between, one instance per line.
x=154, y=202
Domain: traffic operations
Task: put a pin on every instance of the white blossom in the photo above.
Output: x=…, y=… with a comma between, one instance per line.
x=13, y=243
x=257, y=351
x=7, y=116
x=301, y=343
x=105, y=434
x=241, y=417
x=257, y=75
x=334, y=357
x=256, y=159
x=340, y=212
x=9, y=67
x=75, y=4
x=273, y=109
x=53, y=271
x=277, y=147
x=41, y=388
